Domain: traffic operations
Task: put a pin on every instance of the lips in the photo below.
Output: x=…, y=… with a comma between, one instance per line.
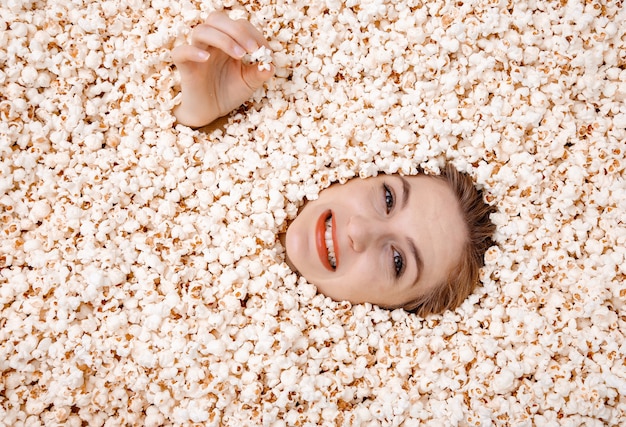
x=320, y=241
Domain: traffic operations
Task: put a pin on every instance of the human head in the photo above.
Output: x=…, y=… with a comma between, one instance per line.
x=374, y=242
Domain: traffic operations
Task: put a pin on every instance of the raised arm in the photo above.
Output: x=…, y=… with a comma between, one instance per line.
x=214, y=79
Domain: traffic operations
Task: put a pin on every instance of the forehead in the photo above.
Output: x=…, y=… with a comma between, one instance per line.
x=432, y=189
x=434, y=220
x=432, y=197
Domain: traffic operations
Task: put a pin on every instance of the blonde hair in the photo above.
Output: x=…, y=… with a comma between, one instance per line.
x=462, y=280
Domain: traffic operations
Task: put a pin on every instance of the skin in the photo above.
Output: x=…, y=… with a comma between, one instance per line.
x=373, y=228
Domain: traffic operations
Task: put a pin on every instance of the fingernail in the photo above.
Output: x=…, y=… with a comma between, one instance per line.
x=203, y=55
x=239, y=51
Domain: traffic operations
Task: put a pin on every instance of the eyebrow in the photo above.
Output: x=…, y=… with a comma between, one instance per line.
x=419, y=262
x=406, y=189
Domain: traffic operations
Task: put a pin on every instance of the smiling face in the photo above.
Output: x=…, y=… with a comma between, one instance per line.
x=385, y=240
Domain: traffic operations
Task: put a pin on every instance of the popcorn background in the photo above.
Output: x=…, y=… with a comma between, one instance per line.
x=141, y=279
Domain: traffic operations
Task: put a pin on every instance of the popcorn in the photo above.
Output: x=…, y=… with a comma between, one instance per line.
x=504, y=381
x=151, y=252
x=262, y=56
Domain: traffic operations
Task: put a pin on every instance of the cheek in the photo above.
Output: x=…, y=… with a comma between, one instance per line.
x=295, y=240
x=303, y=218
x=365, y=271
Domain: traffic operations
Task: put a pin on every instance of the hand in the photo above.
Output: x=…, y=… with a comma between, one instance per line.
x=214, y=80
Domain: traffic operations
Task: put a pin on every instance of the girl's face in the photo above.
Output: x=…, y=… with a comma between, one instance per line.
x=385, y=240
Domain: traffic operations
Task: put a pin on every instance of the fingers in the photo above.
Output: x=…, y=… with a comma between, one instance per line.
x=240, y=30
x=188, y=53
x=235, y=38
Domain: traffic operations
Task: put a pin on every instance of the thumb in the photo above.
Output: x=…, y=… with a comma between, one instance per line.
x=255, y=77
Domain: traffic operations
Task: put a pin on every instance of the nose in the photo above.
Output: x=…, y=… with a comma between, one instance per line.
x=362, y=232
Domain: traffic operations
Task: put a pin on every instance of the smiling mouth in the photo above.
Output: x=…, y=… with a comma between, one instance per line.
x=330, y=244
x=325, y=240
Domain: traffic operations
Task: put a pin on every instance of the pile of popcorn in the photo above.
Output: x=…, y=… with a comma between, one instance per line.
x=141, y=278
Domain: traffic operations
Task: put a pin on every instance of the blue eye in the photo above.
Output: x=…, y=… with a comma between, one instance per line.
x=389, y=200
x=398, y=263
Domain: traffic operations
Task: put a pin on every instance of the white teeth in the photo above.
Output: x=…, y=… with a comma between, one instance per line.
x=328, y=236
